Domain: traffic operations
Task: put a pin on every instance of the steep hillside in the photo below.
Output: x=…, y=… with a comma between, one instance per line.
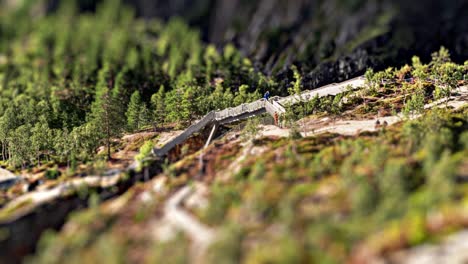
x=234, y=133
x=356, y=177
x=331, y=40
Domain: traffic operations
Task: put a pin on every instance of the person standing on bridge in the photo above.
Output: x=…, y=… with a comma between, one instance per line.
x=267, y=95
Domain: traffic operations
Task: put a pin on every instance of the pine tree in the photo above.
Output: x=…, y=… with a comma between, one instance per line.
x=297, y=83
x=211, y=58
x=105, y=110
x=132, y=59
x=420, y=70
x=120, y=98
x=173, y=105
x=4, y=133
x=440, y=57
x=188, y=105
x=8, y=122
x=62, y=144
x=144, y=116
x=228, y=98
x=242, y=96
x=21, y=153
x=41, y=139
x=133, y=111
x=158, y=106
x=217, y=97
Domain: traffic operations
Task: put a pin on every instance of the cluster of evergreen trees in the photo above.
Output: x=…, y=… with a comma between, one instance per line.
x=70, y=82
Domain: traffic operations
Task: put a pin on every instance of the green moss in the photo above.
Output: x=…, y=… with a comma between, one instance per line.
x=52, y=174
x=6, y=213
x=174, y=251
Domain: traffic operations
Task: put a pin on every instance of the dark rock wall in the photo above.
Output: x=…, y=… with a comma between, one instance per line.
x=329, y=39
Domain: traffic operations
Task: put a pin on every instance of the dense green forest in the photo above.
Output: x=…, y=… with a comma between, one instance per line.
x=89, y=88
x=70, y=81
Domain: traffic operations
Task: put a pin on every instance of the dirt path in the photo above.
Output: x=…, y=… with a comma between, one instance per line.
x=176, y=218
x=453, y=249
x=201, y=235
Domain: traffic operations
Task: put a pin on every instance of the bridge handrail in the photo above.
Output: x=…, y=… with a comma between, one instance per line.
x=241, y=109
x=275, y=105
x=208, y=118
x=307, y=95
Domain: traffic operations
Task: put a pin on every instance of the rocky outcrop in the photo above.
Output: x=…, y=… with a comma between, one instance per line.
x=7, y=179
x=330, y=40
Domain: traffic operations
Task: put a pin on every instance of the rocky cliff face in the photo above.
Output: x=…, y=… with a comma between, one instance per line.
x=329, y=39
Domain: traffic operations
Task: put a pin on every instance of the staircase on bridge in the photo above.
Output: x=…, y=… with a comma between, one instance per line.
x=226, y=116
x=274, y=106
